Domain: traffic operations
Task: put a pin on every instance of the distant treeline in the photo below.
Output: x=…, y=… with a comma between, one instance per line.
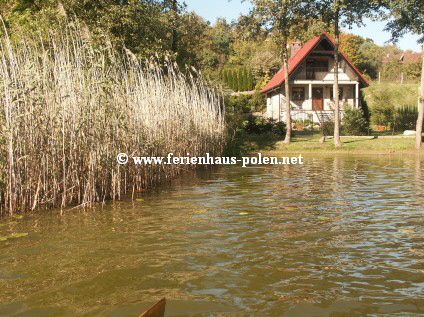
x=164, y=27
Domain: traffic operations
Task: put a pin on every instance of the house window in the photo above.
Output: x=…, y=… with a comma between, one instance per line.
x=298, y=93
x=310, y=69
x=321, y=66
x=313, y=66
x=340, y=94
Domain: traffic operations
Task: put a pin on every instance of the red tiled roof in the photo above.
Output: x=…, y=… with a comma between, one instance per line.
x=388, y=58
x=410, y=57
x=404, y=57
x=295, y=60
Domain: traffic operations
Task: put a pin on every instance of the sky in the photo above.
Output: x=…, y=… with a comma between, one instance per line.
x=212, y=9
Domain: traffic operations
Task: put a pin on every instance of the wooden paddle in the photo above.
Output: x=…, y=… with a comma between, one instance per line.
x=157, y=310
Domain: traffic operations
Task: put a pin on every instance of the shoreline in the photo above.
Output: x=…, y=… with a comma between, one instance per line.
x=375, y=145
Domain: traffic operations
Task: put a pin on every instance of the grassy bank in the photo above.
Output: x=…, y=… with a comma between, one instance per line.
x=67, y=109
x=380, y=143
x=393, y=94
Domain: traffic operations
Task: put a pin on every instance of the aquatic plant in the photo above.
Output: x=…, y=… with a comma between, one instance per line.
x=67, y=109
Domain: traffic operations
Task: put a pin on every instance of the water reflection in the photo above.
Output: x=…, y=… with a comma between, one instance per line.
x=334, y=237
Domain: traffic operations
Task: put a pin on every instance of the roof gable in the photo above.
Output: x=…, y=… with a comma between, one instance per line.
x=297, y=59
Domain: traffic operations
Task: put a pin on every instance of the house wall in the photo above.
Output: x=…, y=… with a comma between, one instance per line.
x=273, y=104
x=345, y=72
x=276, y=97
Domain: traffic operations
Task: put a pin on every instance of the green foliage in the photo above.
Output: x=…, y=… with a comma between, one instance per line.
x=244, y=86
x=257, y=102
x=262, y=82
x=406, y=16
x=249, y=81
x=364, y=106
x=384, y=99
x=412, y=69
x=260, y=125
x=363, y=53
x=162, y=27
x=382, y=112
x=370, y=58
x=354, y=122
x=350, y=45
x=237, y=79
x=246, y=103
x=233, y=80
x=397, y=118
x=405, y=118
x=327, y=128
x=392, y=70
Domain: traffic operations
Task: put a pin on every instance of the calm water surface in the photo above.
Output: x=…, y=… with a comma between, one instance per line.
x=335, y=237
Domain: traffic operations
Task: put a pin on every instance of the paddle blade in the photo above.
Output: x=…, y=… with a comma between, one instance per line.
x=157, y=310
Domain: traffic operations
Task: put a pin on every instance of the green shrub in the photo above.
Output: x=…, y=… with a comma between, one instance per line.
x=327, y=128
x=364, y=106
x=354, y=122
x=237, y=103
x=260, y=125
x=237, y=79
x=257, y=102
x=383, y=99
x=405, y=118
x=246, y=103
x=382, y=114
x=250, y=124
x=279, y=128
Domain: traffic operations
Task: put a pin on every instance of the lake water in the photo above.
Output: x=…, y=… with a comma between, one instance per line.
x=338, y=236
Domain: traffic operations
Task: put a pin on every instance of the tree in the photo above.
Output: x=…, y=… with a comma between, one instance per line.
x=245, y=84
x=343, y=13
x=233, y=80
x=174, y=10
x=192, y=47
x=371, y=58
x=280, y=17
x=249, y=80
x=408, y=16
x=350, y=44
x=240, y=80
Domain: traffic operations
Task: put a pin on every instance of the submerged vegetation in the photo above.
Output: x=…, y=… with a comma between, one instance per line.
x=67, y=109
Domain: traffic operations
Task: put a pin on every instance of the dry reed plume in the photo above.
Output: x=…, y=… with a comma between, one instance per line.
x=66, y=111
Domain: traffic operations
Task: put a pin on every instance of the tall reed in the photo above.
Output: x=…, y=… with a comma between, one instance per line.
x=68, y=108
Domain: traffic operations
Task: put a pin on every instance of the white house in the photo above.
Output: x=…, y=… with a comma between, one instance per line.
x=311, y=79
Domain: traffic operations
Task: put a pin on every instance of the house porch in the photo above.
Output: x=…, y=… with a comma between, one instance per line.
x=311, y=100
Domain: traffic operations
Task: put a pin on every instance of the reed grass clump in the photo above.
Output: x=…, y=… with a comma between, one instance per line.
x=67, y=109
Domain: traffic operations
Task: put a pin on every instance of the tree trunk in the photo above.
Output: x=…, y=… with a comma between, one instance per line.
x=337, y=141
x=174, y=27
x=419, y=128
x=287, y=93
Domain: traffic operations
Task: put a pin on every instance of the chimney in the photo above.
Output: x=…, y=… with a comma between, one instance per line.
x=294, y=48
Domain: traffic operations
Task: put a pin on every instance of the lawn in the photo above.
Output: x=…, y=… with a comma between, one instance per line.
x=379, y=143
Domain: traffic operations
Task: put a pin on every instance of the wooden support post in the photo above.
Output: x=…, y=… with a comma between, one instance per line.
x=280, y=110
x=310, y=95
x=357, y=95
